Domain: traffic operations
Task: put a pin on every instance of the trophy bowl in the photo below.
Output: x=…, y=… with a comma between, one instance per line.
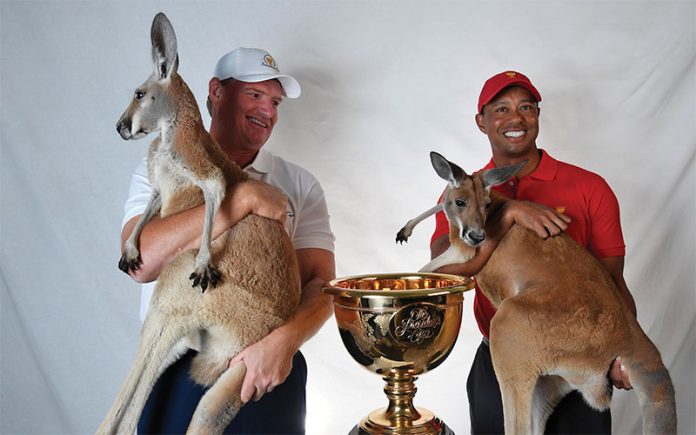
x=399, y=326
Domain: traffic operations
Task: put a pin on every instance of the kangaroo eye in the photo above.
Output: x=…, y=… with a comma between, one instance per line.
x=461, y=202
x=139, y=95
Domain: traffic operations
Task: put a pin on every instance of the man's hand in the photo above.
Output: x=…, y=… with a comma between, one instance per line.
x=256, y=197
x=268, y=363
x=619, y=376
x=543, y=220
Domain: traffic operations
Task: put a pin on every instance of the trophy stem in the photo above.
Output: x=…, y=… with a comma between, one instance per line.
x=401, y=417
x=400, y=389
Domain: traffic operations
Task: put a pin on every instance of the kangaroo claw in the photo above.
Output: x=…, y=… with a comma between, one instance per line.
x=208, y=275
x=402, y=236
x=126, y=264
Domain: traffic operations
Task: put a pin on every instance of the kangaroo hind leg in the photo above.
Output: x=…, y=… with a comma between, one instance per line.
x=517, y=406
x=548, y=392
x=159, y=347
x=220, y=403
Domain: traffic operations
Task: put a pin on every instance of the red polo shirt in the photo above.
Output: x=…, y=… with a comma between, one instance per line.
x=582, y=195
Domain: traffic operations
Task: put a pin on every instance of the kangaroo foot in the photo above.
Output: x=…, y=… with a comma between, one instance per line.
x=403, y=235
x=129, y=262
x=204, y=276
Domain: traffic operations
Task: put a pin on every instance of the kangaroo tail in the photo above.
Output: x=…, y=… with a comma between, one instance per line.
x=653, y=384
x=158, y=349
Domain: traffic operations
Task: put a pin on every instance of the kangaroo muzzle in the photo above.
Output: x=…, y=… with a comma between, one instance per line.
x=473, y=236
x=123, y=127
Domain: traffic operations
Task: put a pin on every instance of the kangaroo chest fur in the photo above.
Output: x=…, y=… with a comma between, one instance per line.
x=171, y=176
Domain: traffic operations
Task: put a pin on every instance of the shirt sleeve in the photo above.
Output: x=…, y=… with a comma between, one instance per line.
x=138, y=194
x=606, y=237
x=313, y=229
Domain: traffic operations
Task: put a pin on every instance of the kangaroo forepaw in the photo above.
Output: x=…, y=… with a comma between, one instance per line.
x=129, y=262
x=403, y=235
x=204, y=276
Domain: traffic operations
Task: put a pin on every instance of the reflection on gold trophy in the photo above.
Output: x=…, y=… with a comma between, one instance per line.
x=399, y=326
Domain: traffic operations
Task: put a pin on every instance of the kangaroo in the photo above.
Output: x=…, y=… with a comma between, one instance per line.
x=256, y=279
x=560, y=319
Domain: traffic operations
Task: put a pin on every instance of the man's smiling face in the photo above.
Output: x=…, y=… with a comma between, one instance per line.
x=251, y=109
x=511, y=122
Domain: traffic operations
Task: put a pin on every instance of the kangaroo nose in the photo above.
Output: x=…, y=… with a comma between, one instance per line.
x=475, y=236
x=123, y=127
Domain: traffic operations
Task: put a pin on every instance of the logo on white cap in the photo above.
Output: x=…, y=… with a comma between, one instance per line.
x=270, y=62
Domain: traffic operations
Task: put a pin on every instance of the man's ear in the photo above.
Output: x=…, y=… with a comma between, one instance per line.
x=479, y=122
x=214, y=92
x=214, y=88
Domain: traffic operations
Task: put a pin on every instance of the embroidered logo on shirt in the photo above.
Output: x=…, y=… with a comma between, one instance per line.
x=560, y=209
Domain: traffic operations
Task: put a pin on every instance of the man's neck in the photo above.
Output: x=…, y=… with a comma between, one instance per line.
x=241, y=155
x=533, y=158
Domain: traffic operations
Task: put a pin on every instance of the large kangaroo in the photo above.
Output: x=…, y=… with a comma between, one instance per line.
x=560, y=319
x=258, y=284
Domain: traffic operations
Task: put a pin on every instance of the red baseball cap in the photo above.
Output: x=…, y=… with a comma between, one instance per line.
x=498, y=82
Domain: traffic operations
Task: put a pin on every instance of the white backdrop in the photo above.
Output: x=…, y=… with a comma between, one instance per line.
x=384, y=82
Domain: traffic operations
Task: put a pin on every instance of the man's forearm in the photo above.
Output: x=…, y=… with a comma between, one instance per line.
x=317, y=267
x=162, y=239
x=314, y=309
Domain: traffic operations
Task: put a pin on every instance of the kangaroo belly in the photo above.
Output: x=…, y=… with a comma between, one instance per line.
x=561, y=267
x=254, y=254
x=258, y=254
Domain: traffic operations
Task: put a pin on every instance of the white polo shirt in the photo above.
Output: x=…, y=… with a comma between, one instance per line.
x=308, y=217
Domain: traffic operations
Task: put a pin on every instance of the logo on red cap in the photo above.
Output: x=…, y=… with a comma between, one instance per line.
x=498, y=82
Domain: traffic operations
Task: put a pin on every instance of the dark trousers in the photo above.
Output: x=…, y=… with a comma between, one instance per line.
x=571, y=416
x=173, y=400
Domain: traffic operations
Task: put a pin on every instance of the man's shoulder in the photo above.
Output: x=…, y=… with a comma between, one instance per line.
x=579, y=174
x=282, y=166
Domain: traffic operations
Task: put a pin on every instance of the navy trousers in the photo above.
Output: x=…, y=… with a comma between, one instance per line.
x=173, y=400
x=572, y=415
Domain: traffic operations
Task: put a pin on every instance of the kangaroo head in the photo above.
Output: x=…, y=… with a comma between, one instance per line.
x=467, y=197
x=152, y=105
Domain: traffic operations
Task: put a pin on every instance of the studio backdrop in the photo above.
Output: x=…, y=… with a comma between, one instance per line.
x=383, y=84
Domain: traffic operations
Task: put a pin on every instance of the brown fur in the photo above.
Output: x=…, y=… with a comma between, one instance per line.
x=561, y=320
x=259, y=286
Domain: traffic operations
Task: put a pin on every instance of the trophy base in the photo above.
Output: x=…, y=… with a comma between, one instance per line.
x=377, y=424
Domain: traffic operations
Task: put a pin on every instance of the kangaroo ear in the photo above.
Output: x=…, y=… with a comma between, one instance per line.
x=164, y=54
x=447, y=170
x=495, y=176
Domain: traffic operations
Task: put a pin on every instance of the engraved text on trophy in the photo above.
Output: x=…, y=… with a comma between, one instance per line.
x=417, y=324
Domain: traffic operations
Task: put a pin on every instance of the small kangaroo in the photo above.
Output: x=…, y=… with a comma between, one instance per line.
x=560, y=319
x=256, y=277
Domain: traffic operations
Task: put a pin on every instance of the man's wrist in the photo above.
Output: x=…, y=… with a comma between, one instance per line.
x=285, y=336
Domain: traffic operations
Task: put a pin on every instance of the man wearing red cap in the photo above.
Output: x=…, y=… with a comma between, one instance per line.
x=548, y=196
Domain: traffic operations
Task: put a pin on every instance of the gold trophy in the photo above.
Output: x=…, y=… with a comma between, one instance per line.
x=399, y=326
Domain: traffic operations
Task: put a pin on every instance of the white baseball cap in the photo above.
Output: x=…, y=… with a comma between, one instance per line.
x=253, y=65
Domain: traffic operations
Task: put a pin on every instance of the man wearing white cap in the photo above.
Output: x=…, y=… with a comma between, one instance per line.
x=243, y=101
